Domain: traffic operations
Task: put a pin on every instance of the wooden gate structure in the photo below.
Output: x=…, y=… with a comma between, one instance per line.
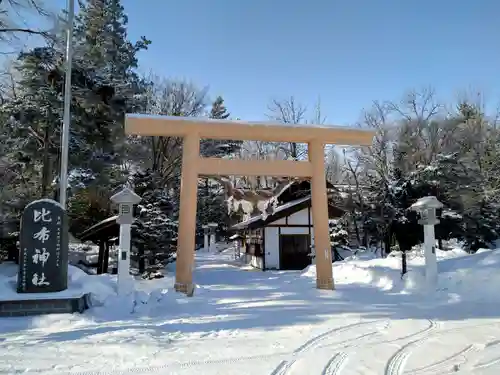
x=192, y=130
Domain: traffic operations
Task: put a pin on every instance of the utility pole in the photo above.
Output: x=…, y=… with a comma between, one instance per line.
x=63, y=175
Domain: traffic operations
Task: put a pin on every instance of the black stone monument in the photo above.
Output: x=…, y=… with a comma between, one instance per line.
x=43, y=260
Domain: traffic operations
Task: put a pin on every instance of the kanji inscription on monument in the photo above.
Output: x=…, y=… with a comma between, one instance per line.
x=43, y=264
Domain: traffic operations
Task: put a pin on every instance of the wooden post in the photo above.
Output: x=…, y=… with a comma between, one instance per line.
x=187, y=215
x=105, y=260
x=324, y=277
x=100, y=258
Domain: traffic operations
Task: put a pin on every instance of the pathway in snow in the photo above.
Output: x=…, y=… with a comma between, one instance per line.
x=272, y=323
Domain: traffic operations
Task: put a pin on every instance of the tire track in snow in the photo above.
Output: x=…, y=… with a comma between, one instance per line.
x=310, y=344
x=446, y=363
x=336, y=364
x=397, y=363
x=281, y=369
x=488, y=364
x=477, y=356
x=161, y=368
x=340, y=366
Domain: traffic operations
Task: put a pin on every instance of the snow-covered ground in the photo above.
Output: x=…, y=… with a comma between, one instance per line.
x=252, y=322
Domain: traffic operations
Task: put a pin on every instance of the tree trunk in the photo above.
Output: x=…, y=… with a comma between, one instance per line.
x=403, y=263
x=365, y=235
x=387, y=241
x=141, y=261
x=356, y=228
x=293, y=150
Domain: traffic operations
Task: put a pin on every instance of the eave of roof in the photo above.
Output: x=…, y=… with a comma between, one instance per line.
x=284, y=210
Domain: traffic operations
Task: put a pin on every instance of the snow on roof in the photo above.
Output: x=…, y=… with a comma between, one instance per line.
x=285, y=188
x=105, y=221
x=277, y=210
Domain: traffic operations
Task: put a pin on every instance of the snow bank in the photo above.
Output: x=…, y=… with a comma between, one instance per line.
x=142, y=296
x=475, y=277
x=79, y=283
x=466, y=276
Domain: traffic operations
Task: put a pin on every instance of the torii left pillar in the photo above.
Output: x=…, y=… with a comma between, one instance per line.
x=187, y=215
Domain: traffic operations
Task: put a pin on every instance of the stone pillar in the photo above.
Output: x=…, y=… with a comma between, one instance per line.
x=206, y=244
x=324, y=277
x=312, y=254
x=212, y=227
x=236, y=245
x=124, y=278
x=187, y=215
x=431, y=271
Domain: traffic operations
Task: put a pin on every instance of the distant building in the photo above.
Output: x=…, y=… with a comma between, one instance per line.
x=282, y=239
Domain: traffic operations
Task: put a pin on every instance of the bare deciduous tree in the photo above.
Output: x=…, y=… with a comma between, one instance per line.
x=288, y=111
x=422, y=133
x=173, y=98
x=11, y=16
x=367, y=171
x=333, y=165
x=8, y=79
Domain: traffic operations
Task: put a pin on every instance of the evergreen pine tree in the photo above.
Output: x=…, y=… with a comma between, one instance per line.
x=105, y=87
x=211, y=205
x=34, y=117
x=107, y=59
x=154, y=230
x=219, y=110
x=219, y=148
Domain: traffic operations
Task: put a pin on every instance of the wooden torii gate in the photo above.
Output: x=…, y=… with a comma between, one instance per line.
x=193, y=166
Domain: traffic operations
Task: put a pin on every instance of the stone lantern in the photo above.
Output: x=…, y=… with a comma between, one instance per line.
x=125, y=199
x=206, y=233
x=212, y=227
x=426, y=208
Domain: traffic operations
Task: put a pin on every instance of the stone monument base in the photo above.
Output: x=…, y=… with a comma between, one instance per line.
x=31, y=304
x=74, y=299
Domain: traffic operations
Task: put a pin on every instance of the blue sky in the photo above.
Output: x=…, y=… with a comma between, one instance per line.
x=347, y=52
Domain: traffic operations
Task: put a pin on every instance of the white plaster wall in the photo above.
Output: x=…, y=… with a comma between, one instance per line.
x=281, y=221
x=299, y=218
x=273, y=244
x=294, y=230
x=271, y=247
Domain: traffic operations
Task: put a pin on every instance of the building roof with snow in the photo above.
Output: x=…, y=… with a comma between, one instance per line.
x=293, y=198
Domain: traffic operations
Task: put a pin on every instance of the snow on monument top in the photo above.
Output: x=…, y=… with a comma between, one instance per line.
x=45, y=200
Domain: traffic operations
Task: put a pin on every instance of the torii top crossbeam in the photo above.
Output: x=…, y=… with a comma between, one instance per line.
x=150, y=125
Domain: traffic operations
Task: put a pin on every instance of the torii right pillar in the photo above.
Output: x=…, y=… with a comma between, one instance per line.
x=324, y=276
